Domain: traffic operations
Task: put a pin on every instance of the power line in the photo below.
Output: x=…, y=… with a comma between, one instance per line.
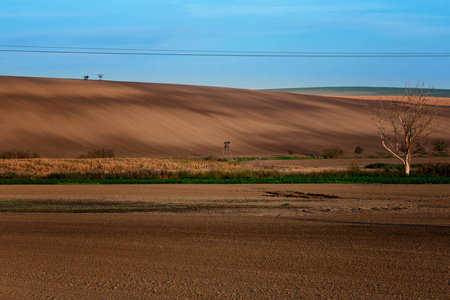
x=212, y=53
x=228, y=51
x=224, y=55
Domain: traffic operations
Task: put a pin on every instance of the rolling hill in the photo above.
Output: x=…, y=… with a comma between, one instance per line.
x=352, y=91
x=65, y=118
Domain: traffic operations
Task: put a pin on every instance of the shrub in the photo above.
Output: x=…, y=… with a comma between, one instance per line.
x=420, y=148
x=359, y=150
x=385, y=166
x=99, y=153
x=332, y=152
x=353, y=167
x=212, y=157
x=18, y=155
x=433, y=169
x=440, y=147
x=379, y=166
x=290, y=151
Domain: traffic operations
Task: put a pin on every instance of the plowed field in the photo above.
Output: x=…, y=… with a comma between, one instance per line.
x=234, y=241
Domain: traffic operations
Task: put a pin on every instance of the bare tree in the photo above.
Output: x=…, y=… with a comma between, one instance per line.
x=404, y=123
x=100, y=76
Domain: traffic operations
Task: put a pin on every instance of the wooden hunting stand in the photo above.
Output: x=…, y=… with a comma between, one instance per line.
x=226, y=153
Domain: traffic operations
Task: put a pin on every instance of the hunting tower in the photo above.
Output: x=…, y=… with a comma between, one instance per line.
x=226, y=153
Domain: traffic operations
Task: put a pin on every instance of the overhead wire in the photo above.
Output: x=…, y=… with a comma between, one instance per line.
x=206, y=53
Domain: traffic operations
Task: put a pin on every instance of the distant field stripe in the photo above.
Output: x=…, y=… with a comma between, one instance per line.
x=280, y=180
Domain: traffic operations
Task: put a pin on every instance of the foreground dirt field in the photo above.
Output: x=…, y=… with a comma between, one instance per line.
x=331, y=241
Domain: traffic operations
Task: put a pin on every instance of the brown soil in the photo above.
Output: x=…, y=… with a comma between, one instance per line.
x=66, y=118
x=331, y=241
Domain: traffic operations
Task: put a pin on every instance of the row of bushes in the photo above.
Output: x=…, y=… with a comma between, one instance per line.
x=394, y=171
x=95, y=153
x=426, y=169
x=18, y=155
x=98, y=153
x=333, y=152
x=398, y=170
x=439, y=148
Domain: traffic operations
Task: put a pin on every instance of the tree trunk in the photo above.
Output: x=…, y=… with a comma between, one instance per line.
x=407, y=164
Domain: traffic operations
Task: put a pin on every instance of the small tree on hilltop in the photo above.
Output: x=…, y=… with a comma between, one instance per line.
x=100, y=76
x=403, y=124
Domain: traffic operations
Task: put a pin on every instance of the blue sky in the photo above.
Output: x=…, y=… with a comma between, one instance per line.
x=274, y=26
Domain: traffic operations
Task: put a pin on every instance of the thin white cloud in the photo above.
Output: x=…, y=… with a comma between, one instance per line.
x=215, y=11
x=369, y=17
x=45, y=15
x=398, y=24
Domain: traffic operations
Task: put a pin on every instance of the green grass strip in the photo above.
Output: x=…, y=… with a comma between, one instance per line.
x=278, y=180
